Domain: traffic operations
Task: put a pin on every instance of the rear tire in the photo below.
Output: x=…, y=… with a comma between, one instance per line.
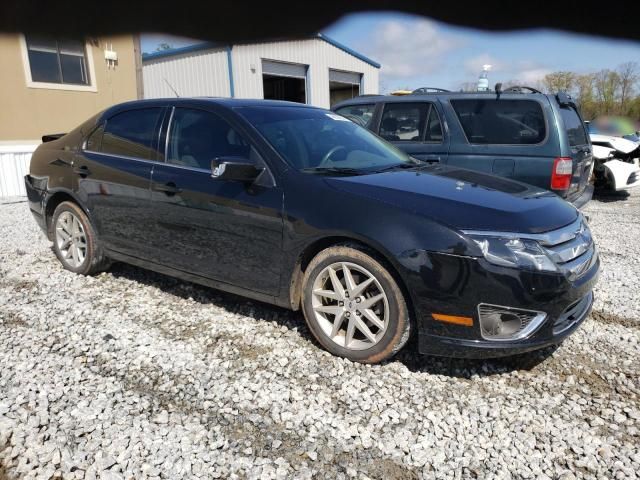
x=75, y=242
x=353, y=306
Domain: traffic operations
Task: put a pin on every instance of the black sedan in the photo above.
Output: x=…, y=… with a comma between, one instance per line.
x=299, y=207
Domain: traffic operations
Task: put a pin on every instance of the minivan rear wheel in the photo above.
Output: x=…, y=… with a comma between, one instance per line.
x=353, y=305
x=75, y=242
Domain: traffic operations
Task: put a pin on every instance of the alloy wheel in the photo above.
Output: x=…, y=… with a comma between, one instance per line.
x=71, y=239
x=350, y=305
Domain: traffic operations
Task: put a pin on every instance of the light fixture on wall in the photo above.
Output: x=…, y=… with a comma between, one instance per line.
x=253, y=68
x=111, y=56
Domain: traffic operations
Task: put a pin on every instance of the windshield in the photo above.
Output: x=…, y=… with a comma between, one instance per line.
x=311, y=140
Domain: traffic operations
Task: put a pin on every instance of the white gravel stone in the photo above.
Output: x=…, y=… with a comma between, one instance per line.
x=131, y=374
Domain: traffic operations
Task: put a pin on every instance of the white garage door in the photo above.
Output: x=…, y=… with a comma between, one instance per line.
x=281, y=69
x=345, y=77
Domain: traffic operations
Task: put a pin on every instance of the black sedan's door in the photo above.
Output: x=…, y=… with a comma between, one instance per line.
x=112, y=175
x=224, y=230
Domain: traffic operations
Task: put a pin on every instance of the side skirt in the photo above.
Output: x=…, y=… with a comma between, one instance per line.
x=190, y=277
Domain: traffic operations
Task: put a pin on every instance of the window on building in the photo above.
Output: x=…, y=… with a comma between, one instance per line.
x=507, y=122
x=54, y=60
x=197, y=137
x=132, y=134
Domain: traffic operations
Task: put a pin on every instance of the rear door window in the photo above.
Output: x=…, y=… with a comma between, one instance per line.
x=506, y=122
x=360, y=114
x=196, y=137
x=132, y=133
x=94, y=141
x=573, y=126
x=404, y=121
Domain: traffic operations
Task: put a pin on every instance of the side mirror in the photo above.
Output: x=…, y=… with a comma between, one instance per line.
x=234, y=168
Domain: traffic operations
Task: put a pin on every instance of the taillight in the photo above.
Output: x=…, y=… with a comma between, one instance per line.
x=561, y=174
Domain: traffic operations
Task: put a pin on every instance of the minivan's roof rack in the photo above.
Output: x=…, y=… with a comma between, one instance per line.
x=423, y=90
x=520, y=89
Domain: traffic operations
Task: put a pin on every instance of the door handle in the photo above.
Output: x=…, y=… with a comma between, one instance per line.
x=169, y=188
x=83, y=171
x=60, y=162
x=432, y=159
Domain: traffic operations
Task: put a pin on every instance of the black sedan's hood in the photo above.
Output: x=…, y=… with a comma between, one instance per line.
x=464, y=199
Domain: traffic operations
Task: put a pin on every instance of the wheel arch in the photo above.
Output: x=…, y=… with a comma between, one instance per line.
x=53, y=200
x=318, y=245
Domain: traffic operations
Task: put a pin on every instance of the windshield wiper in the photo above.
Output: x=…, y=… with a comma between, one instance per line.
x=334, y=170
x=398, y=166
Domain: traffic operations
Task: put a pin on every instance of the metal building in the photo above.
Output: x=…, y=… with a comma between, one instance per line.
x=317, y=71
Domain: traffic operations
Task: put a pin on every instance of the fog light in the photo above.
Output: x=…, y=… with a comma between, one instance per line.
x=506, y=323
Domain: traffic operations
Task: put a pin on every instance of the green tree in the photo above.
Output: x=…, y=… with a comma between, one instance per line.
x=633, y=109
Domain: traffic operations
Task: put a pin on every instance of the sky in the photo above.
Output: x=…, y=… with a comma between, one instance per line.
x=419, y=52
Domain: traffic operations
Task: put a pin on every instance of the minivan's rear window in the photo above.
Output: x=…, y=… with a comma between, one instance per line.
x=507, y=122
x=574, y=127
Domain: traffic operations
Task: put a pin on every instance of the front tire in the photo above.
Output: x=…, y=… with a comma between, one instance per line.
x=353, y=306
x=75, y=242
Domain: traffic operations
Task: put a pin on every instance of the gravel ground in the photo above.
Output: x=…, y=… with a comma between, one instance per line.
x=132, y=375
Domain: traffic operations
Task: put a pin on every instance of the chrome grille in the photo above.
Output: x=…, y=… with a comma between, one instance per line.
x=571, y=247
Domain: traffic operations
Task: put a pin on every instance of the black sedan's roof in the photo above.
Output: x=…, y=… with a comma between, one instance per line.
x=226, y=102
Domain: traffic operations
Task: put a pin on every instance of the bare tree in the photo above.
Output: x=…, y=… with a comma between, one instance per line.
x=559, y=82
x=584, y=95
x=628, y=74
x=607, y=88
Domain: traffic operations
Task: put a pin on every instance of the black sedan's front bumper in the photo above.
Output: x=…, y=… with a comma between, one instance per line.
x=451, y=285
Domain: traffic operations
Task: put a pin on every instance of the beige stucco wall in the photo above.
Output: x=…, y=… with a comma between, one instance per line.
x=27, y=113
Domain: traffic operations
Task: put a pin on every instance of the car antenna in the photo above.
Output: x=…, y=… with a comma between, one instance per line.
x=498, y=89
x=171, y=87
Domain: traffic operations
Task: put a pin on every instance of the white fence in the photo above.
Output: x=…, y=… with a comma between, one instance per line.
x=14, y=165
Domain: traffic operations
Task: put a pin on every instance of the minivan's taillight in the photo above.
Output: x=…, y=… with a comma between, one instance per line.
x=561, y=174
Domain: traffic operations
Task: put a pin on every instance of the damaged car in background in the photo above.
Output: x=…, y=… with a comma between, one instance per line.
x=616, y=162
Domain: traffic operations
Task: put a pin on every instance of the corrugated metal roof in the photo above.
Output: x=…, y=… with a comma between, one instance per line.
x=344, y=48
x=213, y=45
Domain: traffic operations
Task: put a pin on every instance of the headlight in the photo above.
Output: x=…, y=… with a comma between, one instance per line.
x=514, y=252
